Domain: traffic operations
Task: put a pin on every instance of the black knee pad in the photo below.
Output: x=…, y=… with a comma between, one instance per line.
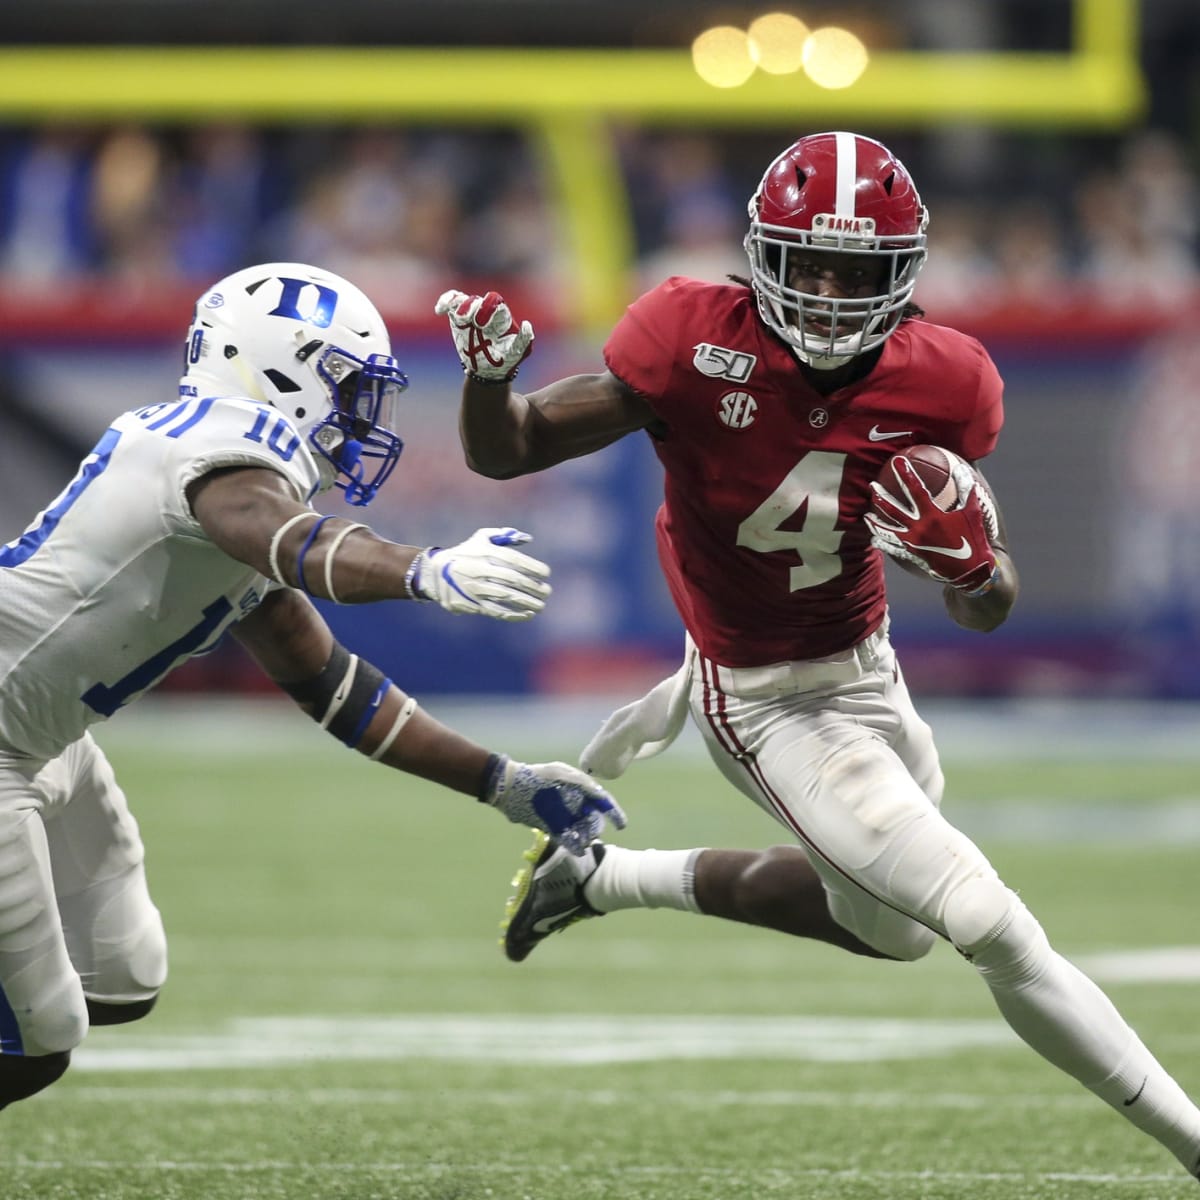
x=100, y=1012
x=22, y=1076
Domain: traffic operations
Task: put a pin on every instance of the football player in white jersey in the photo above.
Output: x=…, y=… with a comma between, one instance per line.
x=188, y=519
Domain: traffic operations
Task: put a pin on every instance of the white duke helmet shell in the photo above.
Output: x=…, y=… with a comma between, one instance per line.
x=310, y=344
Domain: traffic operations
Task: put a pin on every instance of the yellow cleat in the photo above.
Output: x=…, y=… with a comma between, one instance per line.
x=548, y=895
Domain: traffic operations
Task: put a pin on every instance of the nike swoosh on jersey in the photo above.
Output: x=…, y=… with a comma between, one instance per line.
x=878, y=435
x=963, y=551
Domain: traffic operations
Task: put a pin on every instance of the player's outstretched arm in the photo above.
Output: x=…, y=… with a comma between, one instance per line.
x=252, y=514
x=354, y=701
x=506, y=433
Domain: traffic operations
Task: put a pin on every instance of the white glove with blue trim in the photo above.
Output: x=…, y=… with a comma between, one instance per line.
x=554, y=797
x=484, y=575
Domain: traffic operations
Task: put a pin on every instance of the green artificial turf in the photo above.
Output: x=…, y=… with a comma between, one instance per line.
x=339, y=921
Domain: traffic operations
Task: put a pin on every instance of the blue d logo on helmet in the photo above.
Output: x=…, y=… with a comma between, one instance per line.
x=311, y=345
x=289, y=303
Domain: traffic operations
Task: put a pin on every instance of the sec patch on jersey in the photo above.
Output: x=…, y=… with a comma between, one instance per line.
x=934, y=466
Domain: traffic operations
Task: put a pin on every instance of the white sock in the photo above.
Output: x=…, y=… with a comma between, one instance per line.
x=1067, y=1019
x=643, y=879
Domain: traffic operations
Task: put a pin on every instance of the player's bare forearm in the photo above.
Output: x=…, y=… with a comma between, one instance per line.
x=252, y=516
x=493, y=426
x=429, y=749
x=356, y=703
x=505, y=433
x=982, y=614
x=243, y=511
x=290, y=640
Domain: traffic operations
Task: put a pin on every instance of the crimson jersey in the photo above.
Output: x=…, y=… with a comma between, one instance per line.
x=760, y=534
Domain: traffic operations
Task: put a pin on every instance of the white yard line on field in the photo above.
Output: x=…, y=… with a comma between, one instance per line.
x=1151, y=964
x=774, y=1176
x=279, y=1098
x=540, y=1038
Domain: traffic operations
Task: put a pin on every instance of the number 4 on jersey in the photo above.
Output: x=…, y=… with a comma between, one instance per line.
x=812, y=484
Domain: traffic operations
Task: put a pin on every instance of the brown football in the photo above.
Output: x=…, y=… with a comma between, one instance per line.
x=934, y=466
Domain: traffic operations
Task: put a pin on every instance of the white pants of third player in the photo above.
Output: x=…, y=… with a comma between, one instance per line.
x=834, y=750
x=76, y=918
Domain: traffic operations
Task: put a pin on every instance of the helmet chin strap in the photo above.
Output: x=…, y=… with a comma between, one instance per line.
x=818, y=362
x=822, y=362
x=830, y=362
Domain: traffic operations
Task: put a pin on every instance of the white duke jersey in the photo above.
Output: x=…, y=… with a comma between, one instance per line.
x=115, y=583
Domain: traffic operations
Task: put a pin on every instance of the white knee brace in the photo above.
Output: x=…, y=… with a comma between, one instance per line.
x=57, y=1018
x=136, y=971
x=989, y=925
x=116, y=939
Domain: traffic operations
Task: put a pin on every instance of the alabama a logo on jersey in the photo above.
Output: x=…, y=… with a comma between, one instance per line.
x=719, y=363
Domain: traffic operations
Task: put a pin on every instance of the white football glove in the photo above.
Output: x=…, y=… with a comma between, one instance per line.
x=490, y=344
x=484, y=574
x=553, y=797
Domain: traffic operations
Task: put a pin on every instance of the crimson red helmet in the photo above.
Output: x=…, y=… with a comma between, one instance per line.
x=837, y=193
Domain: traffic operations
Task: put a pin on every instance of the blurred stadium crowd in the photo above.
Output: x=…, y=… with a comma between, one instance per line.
x=1075, y=257
x=393, y=210
x=405, y=211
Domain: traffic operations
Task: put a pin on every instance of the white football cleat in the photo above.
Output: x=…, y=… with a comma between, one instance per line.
x=549, y=894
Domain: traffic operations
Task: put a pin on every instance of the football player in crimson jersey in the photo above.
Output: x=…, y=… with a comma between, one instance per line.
x=773, y=403
x=191, y=518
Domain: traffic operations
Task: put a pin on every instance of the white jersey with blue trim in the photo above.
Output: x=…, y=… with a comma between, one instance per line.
x=115, y=583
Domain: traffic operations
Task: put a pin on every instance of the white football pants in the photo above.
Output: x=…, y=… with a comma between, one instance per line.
x=76, y=918
x=834, y=750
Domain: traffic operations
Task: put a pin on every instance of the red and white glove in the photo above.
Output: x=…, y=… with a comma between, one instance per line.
x=489, y=342
x=955, y=547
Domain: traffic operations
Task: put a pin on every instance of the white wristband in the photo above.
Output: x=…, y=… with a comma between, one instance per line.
x=406, y=710
x=410, y=576
x=277, y=539
x=331, y=554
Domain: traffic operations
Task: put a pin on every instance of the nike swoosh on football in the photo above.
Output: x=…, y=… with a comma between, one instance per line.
x=877, y=435
x=963, y=551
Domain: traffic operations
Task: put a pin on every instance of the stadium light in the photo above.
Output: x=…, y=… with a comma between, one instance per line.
x=725, y=56
x=722, y=56
x=834, y=57
x=777, y=42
